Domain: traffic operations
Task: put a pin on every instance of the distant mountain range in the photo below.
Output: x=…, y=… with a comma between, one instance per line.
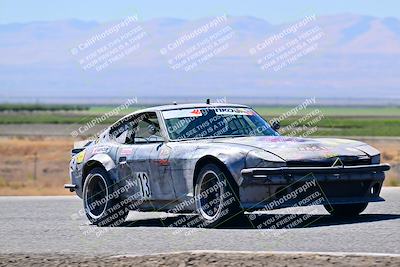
x=356, y=56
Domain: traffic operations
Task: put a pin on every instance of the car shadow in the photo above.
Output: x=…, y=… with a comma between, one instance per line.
x=262, y=221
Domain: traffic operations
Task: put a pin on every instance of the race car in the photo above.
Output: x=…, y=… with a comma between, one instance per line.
x=217, y=160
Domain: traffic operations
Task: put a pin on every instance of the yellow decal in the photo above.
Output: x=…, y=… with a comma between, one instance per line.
x=331, y=155
x=80, y=157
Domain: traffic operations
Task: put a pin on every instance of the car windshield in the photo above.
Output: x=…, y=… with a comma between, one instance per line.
x=215, y=122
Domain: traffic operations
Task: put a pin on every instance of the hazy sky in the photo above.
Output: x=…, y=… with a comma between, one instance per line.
x=273, y=11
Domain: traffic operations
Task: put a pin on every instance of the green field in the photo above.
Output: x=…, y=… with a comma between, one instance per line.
x=352, y=126
x=276, y=111
x=41, y=107
x=335, y=121
x=335, y=111
x=264, y=110
x=50, y=118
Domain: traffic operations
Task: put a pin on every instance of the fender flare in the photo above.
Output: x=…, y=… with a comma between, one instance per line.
x=105, y=160
x=98, y=160
x=232, y=164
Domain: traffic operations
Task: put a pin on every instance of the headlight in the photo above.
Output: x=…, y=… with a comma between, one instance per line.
x=263, y=159
x=372, y=152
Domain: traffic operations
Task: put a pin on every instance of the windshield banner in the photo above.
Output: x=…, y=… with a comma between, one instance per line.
x=198, y=112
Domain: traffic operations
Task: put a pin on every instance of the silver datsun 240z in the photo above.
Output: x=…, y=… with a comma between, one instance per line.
x=218, y=160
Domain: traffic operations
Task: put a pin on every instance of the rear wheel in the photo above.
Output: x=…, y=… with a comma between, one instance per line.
x=102, y=206
x=216, y=197
x=346, y=210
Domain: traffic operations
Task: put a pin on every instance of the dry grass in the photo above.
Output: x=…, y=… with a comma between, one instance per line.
x=17, y=165
x=33, y=191
x=390, y=151
x=17, y=171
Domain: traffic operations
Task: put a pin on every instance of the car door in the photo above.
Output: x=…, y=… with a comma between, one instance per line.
x=138, y=158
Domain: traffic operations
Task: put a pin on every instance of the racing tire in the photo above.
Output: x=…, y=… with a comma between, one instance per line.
x=346, y=210
x=216, y=197
x=102, y=207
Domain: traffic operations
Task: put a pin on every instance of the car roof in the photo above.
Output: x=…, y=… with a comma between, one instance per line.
x=191, y=105
x=180, y=106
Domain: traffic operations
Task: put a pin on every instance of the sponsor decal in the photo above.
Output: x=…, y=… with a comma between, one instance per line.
x=182, y=113
x=196, y=112
x=101, y=150
x=163, y=162
x=126, y=151
x=188, y=113
x=312, y=148
x=283, y=139
x=234, y=111
x=250, y=113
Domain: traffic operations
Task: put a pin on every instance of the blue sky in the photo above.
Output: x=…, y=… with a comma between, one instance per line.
x=273, y=11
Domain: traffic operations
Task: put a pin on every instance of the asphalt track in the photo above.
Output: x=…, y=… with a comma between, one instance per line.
x=33, y=225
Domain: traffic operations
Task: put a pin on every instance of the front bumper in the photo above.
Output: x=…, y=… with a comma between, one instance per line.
x=338, y=184
x=336, y=170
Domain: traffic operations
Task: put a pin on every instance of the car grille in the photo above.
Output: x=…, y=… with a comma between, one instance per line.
x=347, y=161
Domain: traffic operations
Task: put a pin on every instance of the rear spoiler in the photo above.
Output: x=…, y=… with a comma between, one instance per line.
x=80, y=146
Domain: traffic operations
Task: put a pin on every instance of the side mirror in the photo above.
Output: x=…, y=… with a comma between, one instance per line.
x=276, y=125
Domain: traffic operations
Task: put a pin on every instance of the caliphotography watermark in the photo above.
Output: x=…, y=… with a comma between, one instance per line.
x=192, y=224
x=303, y=119
x=103, y=49
x=289, y=45
x=200, y=45
x=281, y=211
x=98, y=120
x=124, y=199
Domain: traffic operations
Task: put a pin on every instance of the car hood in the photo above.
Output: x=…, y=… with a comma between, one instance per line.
x=294, y=149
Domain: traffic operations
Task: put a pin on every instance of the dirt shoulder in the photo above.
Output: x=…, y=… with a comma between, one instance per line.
x=200, y=259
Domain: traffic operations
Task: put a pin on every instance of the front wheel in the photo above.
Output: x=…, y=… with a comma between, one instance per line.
x=102, y=206
x=346, y=210
x=216, y=197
